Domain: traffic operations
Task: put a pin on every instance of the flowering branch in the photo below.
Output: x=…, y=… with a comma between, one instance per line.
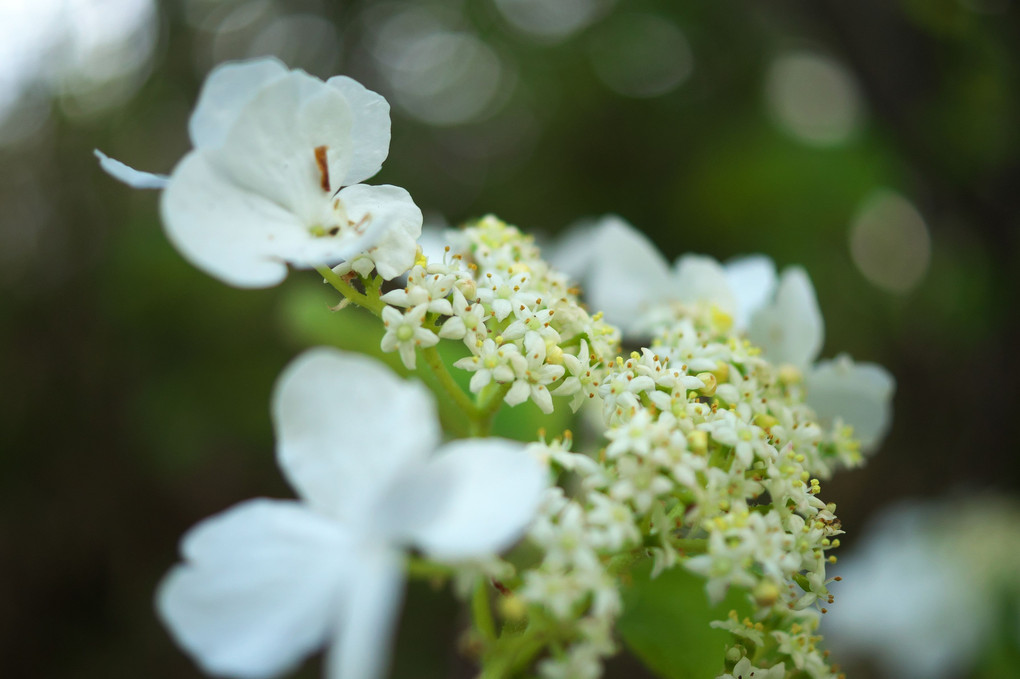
x=711, y=441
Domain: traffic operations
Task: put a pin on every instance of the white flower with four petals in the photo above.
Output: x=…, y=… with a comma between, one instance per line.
x=780, y=314
x=267, y=582
x=274, y=178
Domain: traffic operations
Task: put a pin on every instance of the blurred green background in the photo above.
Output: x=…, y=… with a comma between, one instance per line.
x=876, y=143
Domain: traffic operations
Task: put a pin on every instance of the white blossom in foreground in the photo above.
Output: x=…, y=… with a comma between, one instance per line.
x=269, y=581
x=274, y=178
x=923, y=593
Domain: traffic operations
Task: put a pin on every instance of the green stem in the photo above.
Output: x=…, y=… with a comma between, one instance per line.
x=373, y=304
x=427, y=570
x=690, y=545
x=481, y=612
x=513, y=653
x=449, y=385
x=488, y=403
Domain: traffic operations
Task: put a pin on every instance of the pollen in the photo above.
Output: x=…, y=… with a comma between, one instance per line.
x=320, y=160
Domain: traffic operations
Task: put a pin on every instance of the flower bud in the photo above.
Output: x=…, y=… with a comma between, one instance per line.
x=789, y=374
x=698, y=441
x=766, y=593
x=512, y=608
x=710, y=384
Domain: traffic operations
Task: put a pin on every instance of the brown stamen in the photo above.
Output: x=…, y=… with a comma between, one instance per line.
x=320, y=160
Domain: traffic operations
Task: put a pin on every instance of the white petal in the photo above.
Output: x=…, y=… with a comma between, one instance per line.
x=393, y=224
x=259, y=590
x=346, y=427
x=479, y=380
x=362, y=646
x=573, y=252
x=474, y=498
x=239, y=237
x=860, y=393
x=226, y=91
x=699, y=278
x=370, y=132
x=790, y=330
x=518, y=394
x=136, y=179
x=271, y=147
x=752, y=280
x=628, y=273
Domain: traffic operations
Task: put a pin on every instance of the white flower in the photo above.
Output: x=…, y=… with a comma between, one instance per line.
x=621, y=389
x=503, y=295
x=566, y=542
x=924, y=593
x=583, y=376
x=626, y=276
x=269, y=581
x=491, y=363
x=781, y=316
x=752, y=280
x=858, y=393
x=612, y=523
x=745, y=670
x=467, y=322
x=404, y=333
x=531, y=321
x=532, y=375
x=274, y=178
x=789, y=329
x=431, y=290
x=639, y=483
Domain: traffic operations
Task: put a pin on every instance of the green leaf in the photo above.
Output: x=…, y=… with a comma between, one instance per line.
x=666, y=620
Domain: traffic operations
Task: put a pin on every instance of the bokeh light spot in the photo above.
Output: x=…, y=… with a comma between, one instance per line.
x=551, y=21
x=305, y=41
x=814, y=98
x=641, y=55
x=91, y=53
x=436, y=72
x=889, y=242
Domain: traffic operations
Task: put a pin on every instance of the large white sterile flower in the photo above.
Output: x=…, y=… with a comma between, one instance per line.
x=269, y=581
x=857, y=393
x=274, y=178
x=924, y=592
x=787, y=324
x=627, y=278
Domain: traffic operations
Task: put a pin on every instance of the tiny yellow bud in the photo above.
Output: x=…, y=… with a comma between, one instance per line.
x=766, y=593
x=765, y=421
x=468, y=288
x=721, y=319
x=789, y=374
x=698, y=441
x=722, y=371
x=512, y=608
x=710, y=383
x=420, y=259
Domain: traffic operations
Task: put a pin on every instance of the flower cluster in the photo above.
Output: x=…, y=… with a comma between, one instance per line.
x=708, y=442
x=527, y=335
x=711, y=461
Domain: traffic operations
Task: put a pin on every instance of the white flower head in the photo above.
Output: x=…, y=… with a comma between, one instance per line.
x=274, y=178
x=789, y=329
x=267, y=582
x=860, y=394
